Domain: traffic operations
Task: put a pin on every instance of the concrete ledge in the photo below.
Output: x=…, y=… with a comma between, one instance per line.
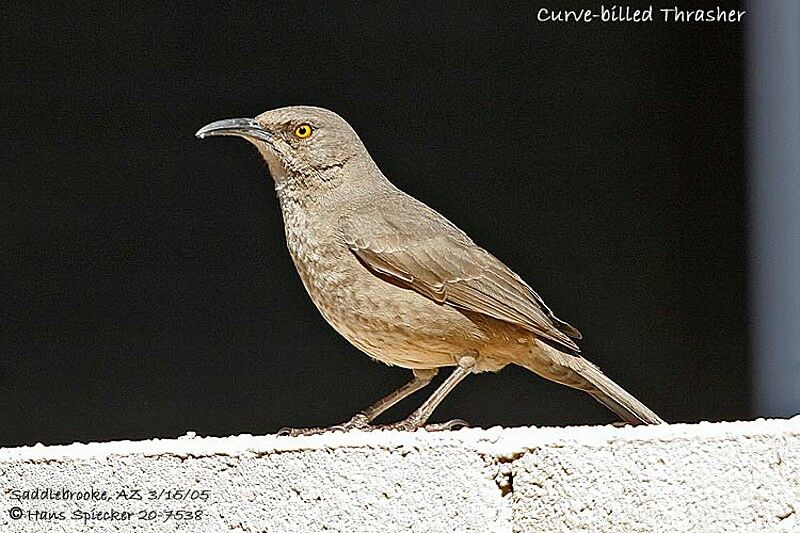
x=742, y=476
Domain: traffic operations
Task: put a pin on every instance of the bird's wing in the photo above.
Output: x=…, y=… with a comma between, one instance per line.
x=413, y=246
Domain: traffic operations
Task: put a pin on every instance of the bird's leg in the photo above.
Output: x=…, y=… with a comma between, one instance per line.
x=422, y=377
x=418, y=418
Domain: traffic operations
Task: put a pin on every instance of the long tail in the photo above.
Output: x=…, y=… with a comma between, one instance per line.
x=575, y=371
x=615, y=397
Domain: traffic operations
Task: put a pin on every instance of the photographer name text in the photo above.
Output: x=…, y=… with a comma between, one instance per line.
x=617, y=13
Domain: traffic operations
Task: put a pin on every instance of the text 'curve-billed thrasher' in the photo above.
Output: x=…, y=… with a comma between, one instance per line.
x=400, y=281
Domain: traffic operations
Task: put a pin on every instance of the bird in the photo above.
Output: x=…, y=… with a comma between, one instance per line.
x=401, y=282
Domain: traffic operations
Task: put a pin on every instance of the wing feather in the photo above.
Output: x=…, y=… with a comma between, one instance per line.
x=427, y=253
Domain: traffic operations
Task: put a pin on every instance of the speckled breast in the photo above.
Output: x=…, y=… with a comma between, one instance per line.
x=394, y=325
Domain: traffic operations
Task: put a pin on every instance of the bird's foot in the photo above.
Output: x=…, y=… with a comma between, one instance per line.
x=409, y=424
x=359, y=421
x=450, y=425
x=297, y=432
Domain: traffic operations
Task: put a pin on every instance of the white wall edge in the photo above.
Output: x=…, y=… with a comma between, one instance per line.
x=725, y=476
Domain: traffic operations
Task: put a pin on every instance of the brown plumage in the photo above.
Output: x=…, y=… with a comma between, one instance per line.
x=400, y=281
x=416, y=247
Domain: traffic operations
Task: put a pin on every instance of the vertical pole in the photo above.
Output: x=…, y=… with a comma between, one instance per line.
x=773, y=36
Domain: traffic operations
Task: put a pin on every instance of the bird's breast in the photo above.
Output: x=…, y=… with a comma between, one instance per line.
x=318, y=253
x=392, y=324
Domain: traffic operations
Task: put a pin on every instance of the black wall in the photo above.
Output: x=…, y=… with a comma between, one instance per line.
x=145, y=287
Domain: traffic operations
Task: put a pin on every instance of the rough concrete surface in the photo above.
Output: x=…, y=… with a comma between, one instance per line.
x=742, y=476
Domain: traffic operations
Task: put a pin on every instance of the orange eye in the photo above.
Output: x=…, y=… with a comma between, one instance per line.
x=303, y=131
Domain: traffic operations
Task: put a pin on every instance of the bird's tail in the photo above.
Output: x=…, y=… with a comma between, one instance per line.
x=577, y=372
x=615, y=397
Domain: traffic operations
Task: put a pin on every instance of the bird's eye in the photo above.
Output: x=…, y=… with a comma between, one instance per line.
x=303, y=131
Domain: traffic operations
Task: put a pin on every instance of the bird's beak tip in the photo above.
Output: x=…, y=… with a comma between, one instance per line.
x=238, y=127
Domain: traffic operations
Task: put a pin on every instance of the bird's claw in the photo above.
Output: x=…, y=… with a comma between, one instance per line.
x=413, y=425
x=450, y=425
x=359, y=421
x=296, y=432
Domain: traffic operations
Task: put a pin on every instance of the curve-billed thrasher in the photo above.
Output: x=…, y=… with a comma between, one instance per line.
x=400, y=281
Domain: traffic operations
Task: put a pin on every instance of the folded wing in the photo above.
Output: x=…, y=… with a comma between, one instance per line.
x=426, y=253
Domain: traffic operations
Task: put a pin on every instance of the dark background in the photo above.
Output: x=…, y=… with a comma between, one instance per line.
x=146, y=289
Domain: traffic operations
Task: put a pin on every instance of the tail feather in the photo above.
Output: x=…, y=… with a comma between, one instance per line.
x=613, y=396
x=575, y=371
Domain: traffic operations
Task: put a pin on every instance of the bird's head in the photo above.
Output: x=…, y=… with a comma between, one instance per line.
x=301, y=144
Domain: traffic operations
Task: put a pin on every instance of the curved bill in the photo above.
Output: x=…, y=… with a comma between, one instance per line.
x=237, y=127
